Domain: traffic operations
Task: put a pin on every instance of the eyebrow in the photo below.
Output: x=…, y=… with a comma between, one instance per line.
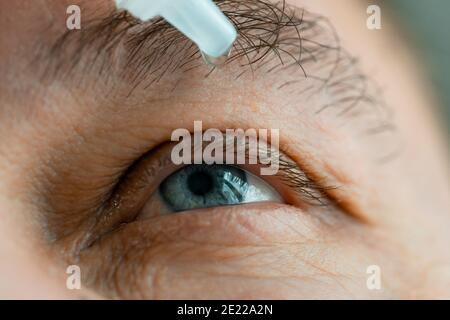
x=268, y=32
x=273, y=37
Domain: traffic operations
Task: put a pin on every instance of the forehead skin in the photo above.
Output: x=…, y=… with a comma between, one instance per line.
x=417, y=181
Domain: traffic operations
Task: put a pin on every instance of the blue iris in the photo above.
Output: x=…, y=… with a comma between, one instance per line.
x=204, y=186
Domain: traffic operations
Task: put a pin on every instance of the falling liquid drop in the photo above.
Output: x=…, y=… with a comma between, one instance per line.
x=216, y=61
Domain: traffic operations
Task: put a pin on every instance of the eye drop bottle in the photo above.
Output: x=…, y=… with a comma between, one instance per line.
x=199, y=20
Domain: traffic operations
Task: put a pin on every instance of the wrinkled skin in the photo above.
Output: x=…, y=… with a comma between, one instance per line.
x=61, y=146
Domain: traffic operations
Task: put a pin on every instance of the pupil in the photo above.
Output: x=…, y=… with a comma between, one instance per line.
x=200, y=183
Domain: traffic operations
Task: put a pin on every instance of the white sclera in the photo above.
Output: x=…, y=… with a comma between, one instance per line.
x=199, y=20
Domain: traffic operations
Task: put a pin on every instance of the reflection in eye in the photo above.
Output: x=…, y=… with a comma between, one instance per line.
x=205, y=186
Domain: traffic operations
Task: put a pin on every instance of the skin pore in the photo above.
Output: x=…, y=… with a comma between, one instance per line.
x=76, y=141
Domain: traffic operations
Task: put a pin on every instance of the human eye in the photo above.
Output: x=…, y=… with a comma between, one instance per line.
x=155, y=187
x=205, y=186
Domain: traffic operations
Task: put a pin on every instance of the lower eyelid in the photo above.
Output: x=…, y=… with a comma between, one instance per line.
x=247, y=224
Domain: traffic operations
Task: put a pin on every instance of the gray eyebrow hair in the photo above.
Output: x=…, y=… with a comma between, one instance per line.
x=273, y=37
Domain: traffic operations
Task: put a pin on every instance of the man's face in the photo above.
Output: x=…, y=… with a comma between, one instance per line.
x=86, y=117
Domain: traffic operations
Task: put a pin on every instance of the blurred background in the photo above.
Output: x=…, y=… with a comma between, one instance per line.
x=427, y=23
